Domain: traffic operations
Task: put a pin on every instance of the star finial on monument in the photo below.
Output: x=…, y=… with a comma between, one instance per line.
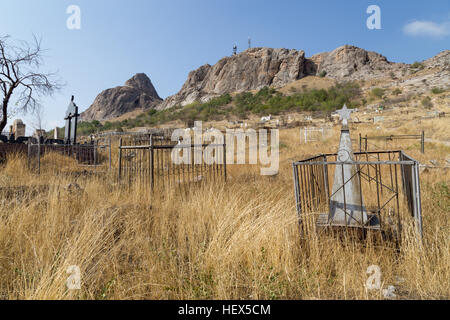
x=344, y=114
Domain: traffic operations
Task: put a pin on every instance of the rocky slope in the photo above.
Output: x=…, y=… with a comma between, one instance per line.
x=137, y=93
x=259, y=67
x=251, y=69
x=352, y=63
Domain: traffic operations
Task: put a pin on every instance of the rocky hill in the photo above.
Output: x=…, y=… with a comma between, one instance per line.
x=349, y=63
x=256, y=68
x=259, y=67
x=137, y=93
x=249, y=70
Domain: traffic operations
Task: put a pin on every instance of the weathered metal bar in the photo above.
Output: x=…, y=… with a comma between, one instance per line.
x=296, y=190
x=422, y=140
x=120, y=159
x=417, y=202
x=407, y=162
x=152, y=165
x=110, y=163
x=225, y=161
x=39, y=156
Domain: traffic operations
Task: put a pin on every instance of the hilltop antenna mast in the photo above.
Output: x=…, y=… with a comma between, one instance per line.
x=249, y=43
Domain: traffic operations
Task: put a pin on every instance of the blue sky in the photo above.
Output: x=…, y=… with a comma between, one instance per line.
x=167, y=39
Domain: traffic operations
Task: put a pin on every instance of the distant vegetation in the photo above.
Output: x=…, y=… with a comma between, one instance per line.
x=264, y=102
x=396, y=92
x=426, y=102
x=377, y=93
x=437, y=90
x=417, y=65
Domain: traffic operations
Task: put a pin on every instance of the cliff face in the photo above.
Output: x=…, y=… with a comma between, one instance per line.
x=259, y=67
x=137, y=93
x=353, y=63
x=249, y=70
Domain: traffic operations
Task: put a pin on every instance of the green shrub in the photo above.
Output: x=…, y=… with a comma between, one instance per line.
x=322, y=74
x=417, y=65
x=437, y=90
x=264, y=102
x=426, y=102
x=377, y=92
x=397, y=91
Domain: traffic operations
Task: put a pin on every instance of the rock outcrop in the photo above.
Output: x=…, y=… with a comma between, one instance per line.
x=256, y=68
x=259, y=67
x=349, y=63
x=137, y=93
x=249, y=70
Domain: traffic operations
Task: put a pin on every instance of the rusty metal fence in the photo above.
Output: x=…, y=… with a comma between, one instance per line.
x=148, y=161
x=62, y=157
x=7, y=149
x=365, y=145
x=389, y=190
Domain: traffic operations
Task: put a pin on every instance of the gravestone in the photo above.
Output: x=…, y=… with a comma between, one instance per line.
x=18, y=128
x=346, y=203
x=70, y=133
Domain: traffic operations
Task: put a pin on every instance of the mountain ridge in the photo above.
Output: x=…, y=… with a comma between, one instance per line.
x=256, y=68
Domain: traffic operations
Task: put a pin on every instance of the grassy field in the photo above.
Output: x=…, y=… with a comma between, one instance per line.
x=238, y=240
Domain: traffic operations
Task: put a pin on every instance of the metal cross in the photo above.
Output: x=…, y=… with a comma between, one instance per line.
x=344, y=114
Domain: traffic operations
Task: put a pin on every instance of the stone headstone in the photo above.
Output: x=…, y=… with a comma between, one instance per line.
x=346, y=204
x=18, y=128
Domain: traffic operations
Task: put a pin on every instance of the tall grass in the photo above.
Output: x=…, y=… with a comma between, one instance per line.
x=238, y=240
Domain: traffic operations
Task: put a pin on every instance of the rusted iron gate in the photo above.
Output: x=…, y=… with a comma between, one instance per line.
x=389, y=186
x=84, y=154
x=147, y=161
x=363, y=146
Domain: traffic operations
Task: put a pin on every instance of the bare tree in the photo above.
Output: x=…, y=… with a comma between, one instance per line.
x=20, y=78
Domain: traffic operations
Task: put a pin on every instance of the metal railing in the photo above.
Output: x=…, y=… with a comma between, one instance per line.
x=363, y=141
x=388, y=189
x=149, y=162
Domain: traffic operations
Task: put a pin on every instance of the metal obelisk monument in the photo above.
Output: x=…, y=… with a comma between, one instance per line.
x=346, y=204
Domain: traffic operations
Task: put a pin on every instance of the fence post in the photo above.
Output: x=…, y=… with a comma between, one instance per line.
x=120, y=158
x=152, y=164
x=422, y=140
x=360, y=144
x=29, y=154
x=95, y=154
x=365, y=148
x=39, y=156
x=418, y=199
x=109, y=153
x=225, y=161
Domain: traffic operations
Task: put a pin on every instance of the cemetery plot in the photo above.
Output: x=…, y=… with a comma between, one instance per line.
x=389, y=142
x=7, y=149
x=314, y=134
x=374, y=192
x=365, y=192
x=148, y=162
x=54, y=158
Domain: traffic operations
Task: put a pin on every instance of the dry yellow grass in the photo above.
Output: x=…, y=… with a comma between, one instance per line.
x=238, y=240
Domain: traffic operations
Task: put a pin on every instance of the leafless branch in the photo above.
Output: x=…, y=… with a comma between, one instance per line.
x=20, y=77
